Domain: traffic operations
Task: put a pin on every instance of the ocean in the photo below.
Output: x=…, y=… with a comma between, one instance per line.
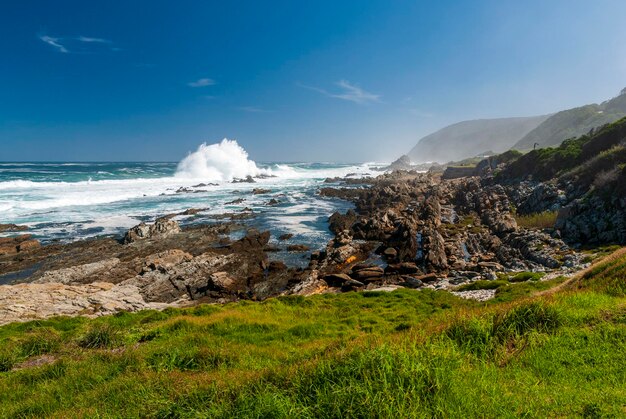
x=73, y=201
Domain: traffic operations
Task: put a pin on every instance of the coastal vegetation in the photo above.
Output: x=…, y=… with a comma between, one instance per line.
x=540, y=348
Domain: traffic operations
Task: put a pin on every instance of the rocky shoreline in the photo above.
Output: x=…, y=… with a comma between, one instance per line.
x=407, y=229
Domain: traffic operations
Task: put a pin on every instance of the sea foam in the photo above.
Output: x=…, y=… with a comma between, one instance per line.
x=221, y=162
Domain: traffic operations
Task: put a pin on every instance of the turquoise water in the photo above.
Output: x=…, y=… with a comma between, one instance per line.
x=71, y=201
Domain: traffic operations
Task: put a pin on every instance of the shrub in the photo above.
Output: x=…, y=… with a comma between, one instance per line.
x=7, y=360
x=534, y=316
x=40, y=343
x=101, y=336
x=187, y=359
x=539, y=220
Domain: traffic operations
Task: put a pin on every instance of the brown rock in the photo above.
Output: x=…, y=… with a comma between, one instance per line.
x=298, y=248
x=369, y=273
x=427, y=278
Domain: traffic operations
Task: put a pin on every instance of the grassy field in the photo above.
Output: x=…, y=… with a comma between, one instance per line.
x=527, y=353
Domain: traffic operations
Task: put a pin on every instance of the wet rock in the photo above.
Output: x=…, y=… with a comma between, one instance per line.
x=162, y=227
x=273, y=202
x=260, y=191
x=297, y=248
x=12, y=228
x=285, y=236
x=339, y=222
x=247, y=179
x=253, y=240
x=236, y=201
x=193, y=211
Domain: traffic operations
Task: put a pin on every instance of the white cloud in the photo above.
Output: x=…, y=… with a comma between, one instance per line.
x=54, y=42
x=349, y=92
x=201, y=83
x=78, y=44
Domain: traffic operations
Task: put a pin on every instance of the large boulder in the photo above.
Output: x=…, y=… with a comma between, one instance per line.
x=162, y=227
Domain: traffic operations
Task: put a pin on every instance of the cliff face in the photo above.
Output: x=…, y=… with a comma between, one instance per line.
x=469, y=138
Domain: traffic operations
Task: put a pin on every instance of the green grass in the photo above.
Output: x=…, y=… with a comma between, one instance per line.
x=402, y=354
x=539, y=220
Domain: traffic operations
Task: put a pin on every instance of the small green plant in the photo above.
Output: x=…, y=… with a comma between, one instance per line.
x=527, y=276
x=540, y=220
x=100, y=336
x=7, y=360
x=39, y=343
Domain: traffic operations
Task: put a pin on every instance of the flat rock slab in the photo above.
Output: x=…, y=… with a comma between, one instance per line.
x=24, y=302
x=478, y=295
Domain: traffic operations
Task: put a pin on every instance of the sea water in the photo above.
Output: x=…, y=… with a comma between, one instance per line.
x=73, y=201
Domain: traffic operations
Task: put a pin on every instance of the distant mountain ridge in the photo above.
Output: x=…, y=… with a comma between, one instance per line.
x=573, y=123
x=469, y=138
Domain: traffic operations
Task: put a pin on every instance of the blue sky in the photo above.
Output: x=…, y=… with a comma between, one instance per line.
x=290, y=80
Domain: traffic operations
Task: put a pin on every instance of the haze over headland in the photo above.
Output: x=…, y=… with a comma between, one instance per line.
x=316, y=82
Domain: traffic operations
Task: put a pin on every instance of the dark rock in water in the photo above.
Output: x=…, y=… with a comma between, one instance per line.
x=12, y=227
x=260, y=191
x=285, y=236
x=162, y=227
x=273, y=202
x=247, y=179
x=253, y=240
x=201, y=185
x=184, y=190
x=298, y=248
x=236, y=201
x=340, y=222
x=193, y=211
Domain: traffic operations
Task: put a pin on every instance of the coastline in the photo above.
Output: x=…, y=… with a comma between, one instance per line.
x=408, y=229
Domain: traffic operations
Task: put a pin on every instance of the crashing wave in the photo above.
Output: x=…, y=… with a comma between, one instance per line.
x=221, y=162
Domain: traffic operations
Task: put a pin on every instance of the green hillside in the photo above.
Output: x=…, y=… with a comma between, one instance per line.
x=531, y=352
x=573, y=123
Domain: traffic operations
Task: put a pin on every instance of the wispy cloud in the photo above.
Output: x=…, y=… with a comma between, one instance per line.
x=350, y=92
x=252, y=109
x=78, y=44
x=96, y=40
x=201, y=83
x=55, y=42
